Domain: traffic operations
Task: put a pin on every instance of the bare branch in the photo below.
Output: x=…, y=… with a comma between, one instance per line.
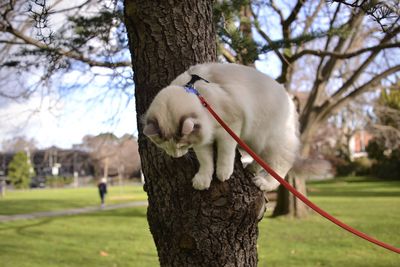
x=292, y=17
x=325, y=69
x=331, y=106
x=364, y=65
x=277, y=10
x=311, y=18
x=266, y=37
x=323, y=53
x=51, y=12
x=287, y=69
x=11, y=42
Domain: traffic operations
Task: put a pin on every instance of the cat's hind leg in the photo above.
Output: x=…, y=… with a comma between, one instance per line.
x=253, y=167
x=281, y=162
x=265, y=183
x=262, y=180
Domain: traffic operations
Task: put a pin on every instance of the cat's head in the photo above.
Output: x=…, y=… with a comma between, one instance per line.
x=177, y=143
x=175, y=121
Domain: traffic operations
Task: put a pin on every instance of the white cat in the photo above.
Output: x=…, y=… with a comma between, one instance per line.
x=256, y=107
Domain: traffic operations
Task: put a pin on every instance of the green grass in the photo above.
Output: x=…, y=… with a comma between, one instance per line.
x=108, y=238
x=121, y=237
x=369, y=205
x=27, y=201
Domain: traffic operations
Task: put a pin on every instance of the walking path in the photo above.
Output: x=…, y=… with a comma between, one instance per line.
x=57, y=213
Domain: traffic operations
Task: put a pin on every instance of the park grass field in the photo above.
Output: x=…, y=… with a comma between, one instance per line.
x=121, y=237
x=35, y=200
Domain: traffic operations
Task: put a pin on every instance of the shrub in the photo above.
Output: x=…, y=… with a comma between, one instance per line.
x=58, y=181
x=387, y=162
x=362, y=166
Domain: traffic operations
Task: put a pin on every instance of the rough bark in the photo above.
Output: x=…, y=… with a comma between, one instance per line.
x=216, y=227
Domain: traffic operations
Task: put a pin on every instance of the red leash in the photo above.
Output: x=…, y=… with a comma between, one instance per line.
x=288, y=186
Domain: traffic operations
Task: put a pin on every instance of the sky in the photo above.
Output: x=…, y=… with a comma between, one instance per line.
x=64, y=122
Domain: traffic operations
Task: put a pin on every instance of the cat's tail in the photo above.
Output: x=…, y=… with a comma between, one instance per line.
x=311, y=169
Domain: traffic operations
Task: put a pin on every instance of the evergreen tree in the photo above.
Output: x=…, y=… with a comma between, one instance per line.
x=20, y=170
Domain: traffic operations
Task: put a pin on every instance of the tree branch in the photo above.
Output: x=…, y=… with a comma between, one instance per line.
x=311, y=18
x=331, y=106
x=322, y=53
x=227, y=54
x=69, y=54
x=378, y=10
x=292, y=17
x=10, y=42
x=277, y=10
x=266, y=37
x=324, y=70
x=364, y=65
x=77, y=7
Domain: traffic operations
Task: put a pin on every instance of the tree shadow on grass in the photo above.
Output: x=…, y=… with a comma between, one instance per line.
x=26, y=225
x=354, y=193
x=20, y=206
x=139, y=212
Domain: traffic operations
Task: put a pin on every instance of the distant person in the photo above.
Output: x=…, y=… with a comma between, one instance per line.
x=102, y=190
x=1, y=189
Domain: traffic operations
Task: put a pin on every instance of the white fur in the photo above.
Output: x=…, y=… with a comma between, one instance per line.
x=255, y=106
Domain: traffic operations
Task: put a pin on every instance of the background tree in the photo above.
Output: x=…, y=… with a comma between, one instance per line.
x=335, y=52
x=128, y=156
x=384, y=149
x=215, y=227
x=103, y=149
x=111, y=155
x=20, y=170
x=19, y=143
x=53, y=47
x=387, y=121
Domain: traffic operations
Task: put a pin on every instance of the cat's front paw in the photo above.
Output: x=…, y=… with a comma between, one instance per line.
x=224, y=173
x=201, y=182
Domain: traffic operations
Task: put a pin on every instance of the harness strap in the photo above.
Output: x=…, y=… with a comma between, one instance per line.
x=189, y=87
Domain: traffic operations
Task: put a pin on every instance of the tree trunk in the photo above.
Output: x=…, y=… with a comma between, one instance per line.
x=215, y=227
x=287, y=203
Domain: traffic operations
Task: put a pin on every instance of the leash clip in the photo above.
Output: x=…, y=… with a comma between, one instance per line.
x=189, y=87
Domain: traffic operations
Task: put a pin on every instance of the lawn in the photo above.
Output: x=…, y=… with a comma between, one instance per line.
x=121, y=237
x=369, y=205
x=108, y=238
x=27, y=201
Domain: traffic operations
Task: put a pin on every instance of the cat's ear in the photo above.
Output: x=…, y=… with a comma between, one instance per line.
x=151, y=129
x=187, y=126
